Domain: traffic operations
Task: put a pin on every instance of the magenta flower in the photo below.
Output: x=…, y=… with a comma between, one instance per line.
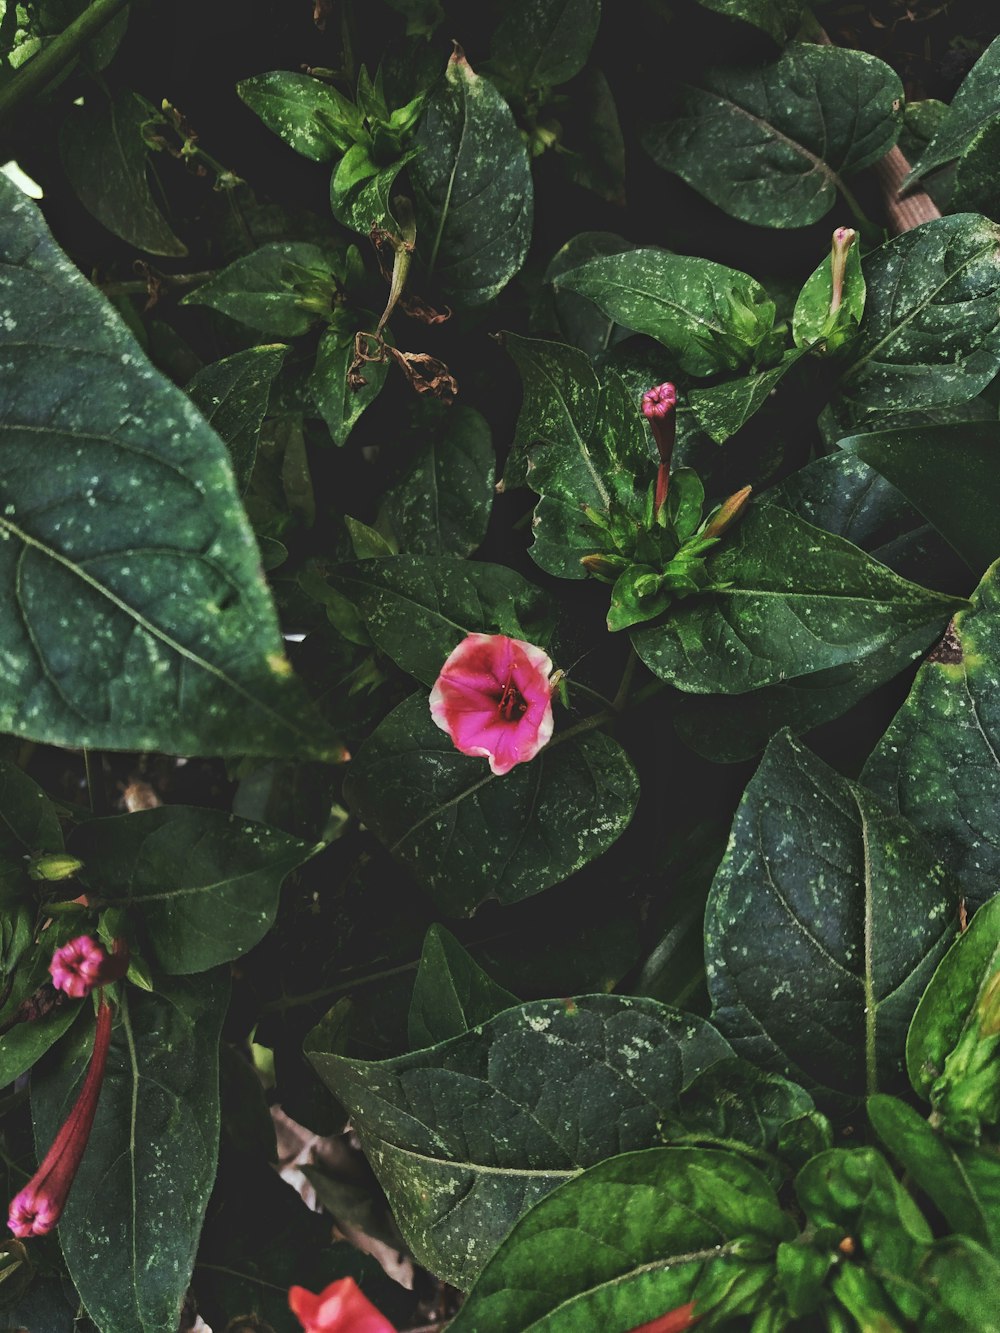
x=494, y=699
x=36, y=1209
x=78, y=966
x=658, y=408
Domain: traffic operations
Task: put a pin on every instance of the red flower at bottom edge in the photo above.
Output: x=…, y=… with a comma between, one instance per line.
x=341, y=1307
x=674, y=1321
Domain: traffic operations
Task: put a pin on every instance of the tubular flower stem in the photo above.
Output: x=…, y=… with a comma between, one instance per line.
x=36, y=1209
x=658, y=408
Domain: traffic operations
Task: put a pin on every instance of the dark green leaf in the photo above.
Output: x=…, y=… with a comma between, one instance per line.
x=311, y=116
x=975, y=104
x=29, y=825
x=824, y=924
x=771, y=145
x=472, y=183
x=582, y=322
x=259, y=289
x=339, y=405
x=136, y=617
x=468, y=836
x=130, y=1230
x=466, y=1136
x=232, y=395
x=204, y=884
x=541, y=43
x=725, y=408
x=104, y=155
x=931, y=330
x=976, y=189
x=452, y=993
x=778, y=18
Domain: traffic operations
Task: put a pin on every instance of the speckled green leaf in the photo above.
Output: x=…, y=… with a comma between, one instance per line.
x=772, y=144
x=951, y=474
x=976, y=188
x=360, y=190
x=130, y=1230
x=232, y=395
x=472, y=186
x=339, y=405
x=451, y=993
x=631, y=1239
x=203, y=884
x=442, y=506
x=464, y=1137
x=725, y=408
x=418, y=608
x=778, y=18
x=541, y=43
x=824, y=924
x=104, y=155
x=975, y=104
x=259, y=289
x=308, y=114
x=469, y=836
x=136, y=616
x=931, y=330
x=787, y=600
x=939, y=762
x=709, y=316
x=579, y=320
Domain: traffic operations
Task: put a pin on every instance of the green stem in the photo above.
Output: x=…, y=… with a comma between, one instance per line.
x=57, y=56
x=621, y=698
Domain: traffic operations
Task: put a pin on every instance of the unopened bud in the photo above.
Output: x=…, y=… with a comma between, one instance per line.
x=648, y=585
x=53, y=866
x=843, y=239
x=606, y=567
x=727, y=513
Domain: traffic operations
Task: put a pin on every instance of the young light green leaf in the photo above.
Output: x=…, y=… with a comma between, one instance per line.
x=137, y=617
x=710, y=317
x=360, y=190
x=311, y=116
x=542, y=43
x=452, y=993
x=464, y=1137
x=976, y=103
x=264, y=290
x=931, y=329
x=772, y=145
x=150, y=1162
x=203, y=883
x=232, y=395
x=472, y=187
x=339, y=404
x=824, y=924
x=468, y=836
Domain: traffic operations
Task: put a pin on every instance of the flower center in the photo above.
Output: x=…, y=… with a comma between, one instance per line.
x=511, y=705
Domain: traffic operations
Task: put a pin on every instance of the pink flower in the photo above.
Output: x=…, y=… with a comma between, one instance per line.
x=494, y=699
x=341, y=1308
x=674, y=1321
x=36, y=1209
x=77, y=967
x=658, y=408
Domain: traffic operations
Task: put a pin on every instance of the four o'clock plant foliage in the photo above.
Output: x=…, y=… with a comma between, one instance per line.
x=499, y=667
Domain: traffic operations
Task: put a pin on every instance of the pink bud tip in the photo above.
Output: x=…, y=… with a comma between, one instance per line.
x=659, y=402
x=674, y=1321
x=76, y=967
x=342, y=1307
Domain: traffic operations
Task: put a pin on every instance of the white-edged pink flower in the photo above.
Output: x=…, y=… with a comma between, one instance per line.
x=494, y=699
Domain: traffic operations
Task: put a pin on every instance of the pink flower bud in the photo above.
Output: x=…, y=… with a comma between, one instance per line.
x=36, y=1209
x=843, y=239
x=341, y=1307
x=494, y=699
x=658, y=408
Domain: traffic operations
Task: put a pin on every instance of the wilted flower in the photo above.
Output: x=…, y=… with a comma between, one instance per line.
x=494, y=699
x=341, y=1307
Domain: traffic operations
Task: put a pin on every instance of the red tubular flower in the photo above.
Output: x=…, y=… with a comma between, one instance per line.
x=658, y=408
x=80, y=965
x=674, y=1321
x=341, y=1308
x=36, y=1209
x=494, y=699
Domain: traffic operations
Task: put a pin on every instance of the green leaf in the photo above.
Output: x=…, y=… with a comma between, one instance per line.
x=468, y=836
x=823, y=925
x=104, y=155
x=417, y=608
x=203, y=883
x=950, y=474
x=951, y=1050
x=973, y=107
x=232, y=395
x=938, y=763
x=542, y=43
x=472, y=187
x=360, y=189
x=339, y=405
x=963, y=1182
x=725, y=408
x=137, y=617
x=259, y=289
x=311, y=116
x=452, y=993
x=464, y=1137
x=29, y=824
x=778, y=18
x=631, y=1239
x=141, y=1190
x=771, y=145
x=442, y=506
x=786, y=600
x=975, y=184
x=422, y=16
x=580, y=321
x=709, y=316
x=931, y=330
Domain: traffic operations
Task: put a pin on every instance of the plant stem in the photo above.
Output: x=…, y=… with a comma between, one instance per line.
x=58, y=55
x=140, y=286
x=621, y=698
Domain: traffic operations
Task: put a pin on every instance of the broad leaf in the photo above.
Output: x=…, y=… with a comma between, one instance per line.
x=725, y=408
x=116, y=496
x=772, y=145
x=778, y=18
x=203, y=883
x=311, y=116
x=709, y=316
x=468, y=836
x=150, y=1162
x=824, y=924
x=541, y=43
x=339, y=404
x=472, y=185
x=631, y=1239
x=931, y=329
x=786, y=600
x=264, y=290
x=464, y=1137
x=452, y=993
x=973, y=107
x=360, y=189
x=232, y=395
x=580, y=321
